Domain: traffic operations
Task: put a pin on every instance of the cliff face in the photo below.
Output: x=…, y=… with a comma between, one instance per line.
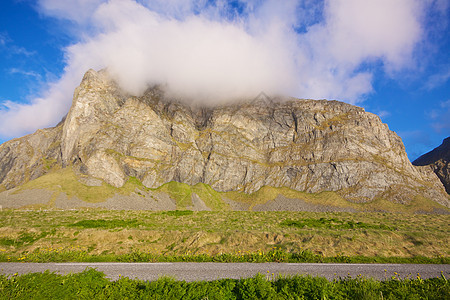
x=29, y=157
x=439, y=161
x=306, y=145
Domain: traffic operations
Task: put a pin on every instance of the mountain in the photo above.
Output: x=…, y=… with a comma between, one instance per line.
x=439, y=160
x=309, y=150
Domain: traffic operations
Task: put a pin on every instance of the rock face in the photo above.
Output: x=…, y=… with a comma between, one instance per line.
x=439, y=160
x=306, y=145
x=29, y=157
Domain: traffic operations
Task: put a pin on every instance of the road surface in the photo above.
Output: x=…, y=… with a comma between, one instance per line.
x=212, y=271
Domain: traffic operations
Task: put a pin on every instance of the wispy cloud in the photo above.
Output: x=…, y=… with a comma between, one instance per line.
x=216, y=50
x=78, y=11
x=441, y=117
x=8, y=45
x=25, y=72
x=21, y=51
x=383, y=114
x=438, y=79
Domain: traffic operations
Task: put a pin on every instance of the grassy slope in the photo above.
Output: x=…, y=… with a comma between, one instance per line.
x=146, y=235
x=65, y=181
x=182, y=194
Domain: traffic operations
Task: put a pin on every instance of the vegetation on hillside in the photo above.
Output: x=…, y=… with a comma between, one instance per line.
x=67, y=182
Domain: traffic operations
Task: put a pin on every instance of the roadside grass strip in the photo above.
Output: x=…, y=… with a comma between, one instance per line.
x=274, y=255
x=92, y=284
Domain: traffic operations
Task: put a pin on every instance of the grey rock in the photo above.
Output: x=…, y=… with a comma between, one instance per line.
x=27, y=158
x=281, y=203
x=13, y=198
x=198, y=204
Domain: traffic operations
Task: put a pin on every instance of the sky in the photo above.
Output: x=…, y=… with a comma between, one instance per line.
x=390, y=57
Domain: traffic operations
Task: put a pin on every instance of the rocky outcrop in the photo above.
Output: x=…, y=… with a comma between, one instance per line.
x=29, y=157
x=306, y=145
x=439, y=161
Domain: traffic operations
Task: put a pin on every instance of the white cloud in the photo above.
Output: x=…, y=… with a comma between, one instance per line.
x=441, y=117
x=178, y=9
x=211, y=52
x=2, y=40
x=437, y=80
x=359, y=30
x=6, y=43
x=45, y=111
x=74, y=10
x=445, y=104
x=383, y=114
x=26, y=73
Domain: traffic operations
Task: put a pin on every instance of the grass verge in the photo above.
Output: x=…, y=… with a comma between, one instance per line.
x=274, y=255
x=92, y=284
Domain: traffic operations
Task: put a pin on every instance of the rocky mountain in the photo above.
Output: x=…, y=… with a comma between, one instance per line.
x=439, y=160
x=303, y=145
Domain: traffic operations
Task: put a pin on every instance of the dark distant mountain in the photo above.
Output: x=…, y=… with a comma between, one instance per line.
x=288, y=146
x=439, y=160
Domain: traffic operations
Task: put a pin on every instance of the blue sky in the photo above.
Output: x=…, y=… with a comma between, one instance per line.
x=390, y=57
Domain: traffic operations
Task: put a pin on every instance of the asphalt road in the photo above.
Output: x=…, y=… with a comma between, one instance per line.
x=212, y=271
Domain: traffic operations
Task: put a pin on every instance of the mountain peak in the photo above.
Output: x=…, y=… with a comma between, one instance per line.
x=262, y=98
x=304, y=145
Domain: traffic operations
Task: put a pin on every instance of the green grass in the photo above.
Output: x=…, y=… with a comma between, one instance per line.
x=92, y=284
x=21, y=240
x=182, y=194
x=178, y=213
x=100, y=223
x=332, y=223
x=275, y=255
x=211, y=198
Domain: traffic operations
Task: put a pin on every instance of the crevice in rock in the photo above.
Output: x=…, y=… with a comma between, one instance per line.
x=245, y=176
x=205, y=165
x=77, y=159
x=294, y=117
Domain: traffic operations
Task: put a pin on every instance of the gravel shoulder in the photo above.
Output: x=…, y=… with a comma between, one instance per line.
x=213, y=271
